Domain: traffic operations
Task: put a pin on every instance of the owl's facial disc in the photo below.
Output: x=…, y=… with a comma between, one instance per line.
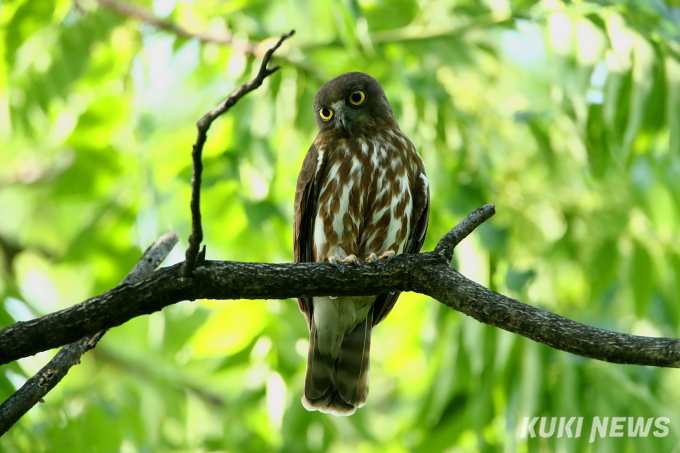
x=346, y=117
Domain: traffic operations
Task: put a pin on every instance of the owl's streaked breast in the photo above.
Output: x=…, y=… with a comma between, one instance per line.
x=365, y=200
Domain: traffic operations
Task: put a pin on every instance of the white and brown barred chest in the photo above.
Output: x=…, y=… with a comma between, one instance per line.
x=365, y=198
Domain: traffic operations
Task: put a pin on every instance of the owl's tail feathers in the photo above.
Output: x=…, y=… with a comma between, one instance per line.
x=339, y=386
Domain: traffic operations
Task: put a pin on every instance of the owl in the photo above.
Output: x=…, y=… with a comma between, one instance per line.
x=361, y=194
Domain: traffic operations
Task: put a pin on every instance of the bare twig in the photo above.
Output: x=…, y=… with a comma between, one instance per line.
x=426, y=273
x=463, y=229
x=203, y=125
x=152, y=258
x=51, y=374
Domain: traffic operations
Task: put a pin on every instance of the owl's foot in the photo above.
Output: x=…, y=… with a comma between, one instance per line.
x=351, y=258
x=348, y=259
x=388, y=255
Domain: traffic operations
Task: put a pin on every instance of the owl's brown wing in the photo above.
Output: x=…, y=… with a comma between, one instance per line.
x=421, y=216
x=306, y=194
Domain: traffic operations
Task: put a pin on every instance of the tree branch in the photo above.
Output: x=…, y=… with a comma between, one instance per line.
x=426, y=273
x=51, y=374
x=203, y=125
x=152, y=258
x=463, y=229
x=127, y=10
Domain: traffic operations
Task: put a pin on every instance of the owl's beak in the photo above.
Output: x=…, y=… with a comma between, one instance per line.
x=345, y=116
x=347, y=124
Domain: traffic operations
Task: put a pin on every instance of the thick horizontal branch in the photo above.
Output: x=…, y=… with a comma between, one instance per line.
x=426, y=273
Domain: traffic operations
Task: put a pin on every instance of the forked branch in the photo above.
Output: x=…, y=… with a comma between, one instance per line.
x=426, y=273
x=34, y=389
x=463, y=229
x=203, y=125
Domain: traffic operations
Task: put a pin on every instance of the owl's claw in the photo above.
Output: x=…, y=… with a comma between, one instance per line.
x=351, y=259
x=348, y=259
x=388, y=255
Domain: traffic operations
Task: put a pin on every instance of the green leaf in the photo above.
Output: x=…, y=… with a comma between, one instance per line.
x=29, y=18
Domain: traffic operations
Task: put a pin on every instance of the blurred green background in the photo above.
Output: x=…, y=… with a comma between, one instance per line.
x=566, y=116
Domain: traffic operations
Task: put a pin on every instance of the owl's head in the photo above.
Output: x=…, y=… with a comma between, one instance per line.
x=353, y=103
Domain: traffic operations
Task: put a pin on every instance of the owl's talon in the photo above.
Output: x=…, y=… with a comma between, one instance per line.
x=351, y=259
x=389, y=255
x=348, y=259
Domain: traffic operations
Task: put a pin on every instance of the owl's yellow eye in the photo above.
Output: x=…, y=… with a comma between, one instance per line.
x=326, y=114
x=357, y=98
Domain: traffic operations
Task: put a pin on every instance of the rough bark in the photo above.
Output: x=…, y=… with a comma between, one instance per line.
x=427, y=273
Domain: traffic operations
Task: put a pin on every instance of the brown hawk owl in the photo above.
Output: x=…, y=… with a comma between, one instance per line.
x=362, y=194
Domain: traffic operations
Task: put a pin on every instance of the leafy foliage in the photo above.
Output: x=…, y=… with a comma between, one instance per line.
x=564, y=115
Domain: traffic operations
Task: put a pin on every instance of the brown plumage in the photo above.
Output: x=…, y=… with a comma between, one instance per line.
x=361, y=194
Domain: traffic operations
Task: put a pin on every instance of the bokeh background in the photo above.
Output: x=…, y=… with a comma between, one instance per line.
x=565, y=115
